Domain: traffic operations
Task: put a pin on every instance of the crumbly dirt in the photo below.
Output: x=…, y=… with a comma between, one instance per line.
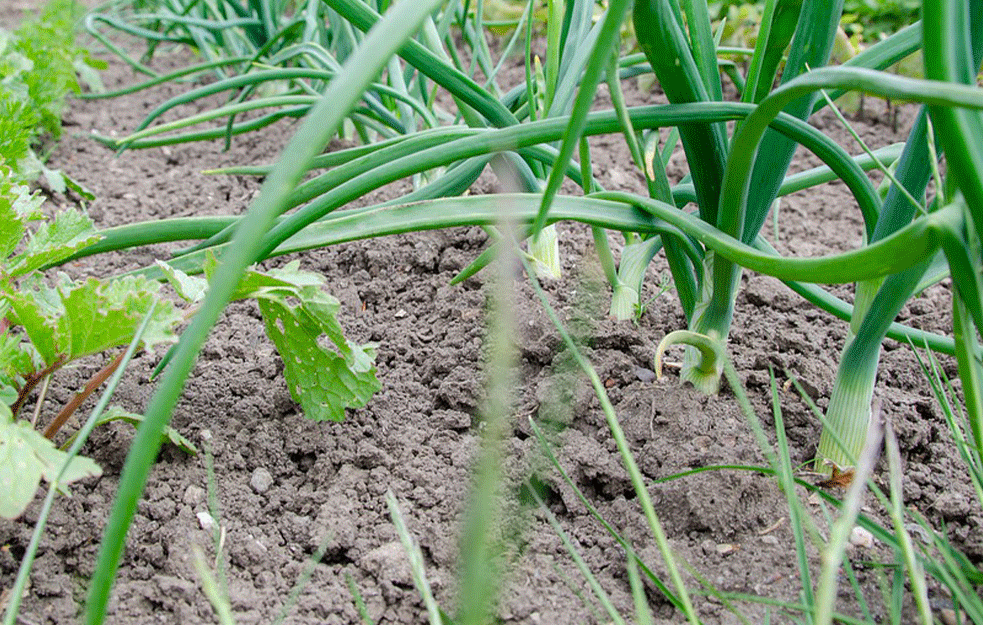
x=286, y=485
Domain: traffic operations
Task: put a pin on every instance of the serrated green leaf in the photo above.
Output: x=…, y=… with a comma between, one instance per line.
x=11, y=227
x=100, y=316
x=26, y=203
x=297, y=313
x=36, y=307
x=25, y=458
x=55, y=179
x=289, y=276
x=17, y=359
x=323, y=310
x=76, y=319
x=321, y=381
x=361, y=357
x=17, y=123
x=92, y=323
x=17, y=206
x=56, y=240
x=190, y=288
x=290, y=281
x=292, y=274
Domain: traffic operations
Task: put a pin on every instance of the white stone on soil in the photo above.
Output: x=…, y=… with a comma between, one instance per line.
x=261, y=480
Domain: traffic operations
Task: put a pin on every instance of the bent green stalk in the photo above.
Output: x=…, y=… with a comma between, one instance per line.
x=546, y=130
x=617, y=211
x=952, y=53
x=577, y=122
x=854, y=386
x=736, y=189
x=848, y=412
x=848, y=415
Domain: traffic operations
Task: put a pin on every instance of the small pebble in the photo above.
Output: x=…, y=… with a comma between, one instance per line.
x=261, y=480
x=917, y=530
x=206, y=521
x=708, y=546
x=859, y=537
x=769, y=540
x=645, y=375
x=193, y=495
x=725, y=549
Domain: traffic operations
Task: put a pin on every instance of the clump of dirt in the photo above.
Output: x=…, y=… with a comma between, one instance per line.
x=287, y=486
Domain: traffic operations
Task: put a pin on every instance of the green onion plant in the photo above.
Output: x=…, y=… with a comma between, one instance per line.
x=532, y=132
x=376, y=69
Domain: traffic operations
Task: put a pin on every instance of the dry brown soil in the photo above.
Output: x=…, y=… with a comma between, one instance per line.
x=285, y=484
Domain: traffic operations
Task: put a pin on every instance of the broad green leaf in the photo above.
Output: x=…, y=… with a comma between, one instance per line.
x=292, y=274
x=287, y=279
x=20, y=475
x=123, y=303
x=36, y=307
x=323, y=309
x=76, y=319
x=289, y=276
x=361, y=358
x=297, y=313
x=190, y=288
x=56, y=240
x=320, y=380
x=17, y=206
x=25, y=458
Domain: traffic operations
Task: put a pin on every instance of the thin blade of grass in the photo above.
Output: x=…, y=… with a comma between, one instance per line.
x=916, y=575
x=416, y=560
x=798, y=518
x=547, y=449
x=212, y=589
x=578, y=560
x=832, y=555
x=621, y=442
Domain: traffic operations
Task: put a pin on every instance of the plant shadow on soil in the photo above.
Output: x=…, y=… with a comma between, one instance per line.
x=286, y=484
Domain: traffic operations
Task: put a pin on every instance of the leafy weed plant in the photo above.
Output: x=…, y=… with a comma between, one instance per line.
x=40, y=64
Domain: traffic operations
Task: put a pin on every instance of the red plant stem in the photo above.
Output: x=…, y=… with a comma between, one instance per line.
x=90, y=387
x=31, y=382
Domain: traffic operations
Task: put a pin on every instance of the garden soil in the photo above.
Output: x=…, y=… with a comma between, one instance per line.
x=285, y=486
